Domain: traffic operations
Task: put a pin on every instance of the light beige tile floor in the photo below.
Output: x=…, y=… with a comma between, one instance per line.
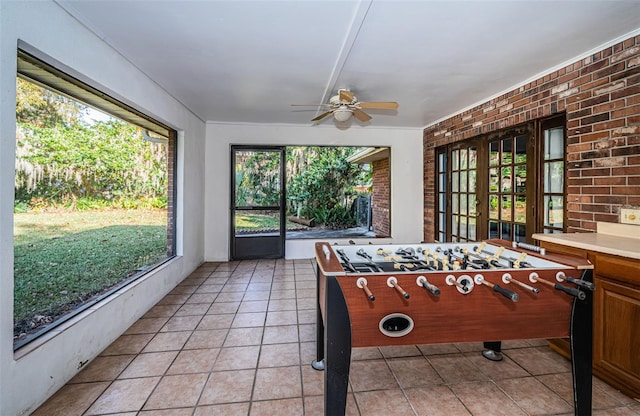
x=238, y=338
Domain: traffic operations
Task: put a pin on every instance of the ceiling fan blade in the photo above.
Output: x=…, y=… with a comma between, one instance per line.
x=321, y=116
x=310, y=105
x=382, y=105
x=346, y=96
x=361, y=115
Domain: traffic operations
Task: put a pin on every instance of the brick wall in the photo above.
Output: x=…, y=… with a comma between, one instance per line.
x=380, y=198
x=600, y=95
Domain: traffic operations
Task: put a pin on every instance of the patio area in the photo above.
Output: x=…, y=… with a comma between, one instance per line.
x=238, y=338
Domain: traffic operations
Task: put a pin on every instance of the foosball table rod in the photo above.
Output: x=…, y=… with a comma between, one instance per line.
x=511, y=295
x=507, y=278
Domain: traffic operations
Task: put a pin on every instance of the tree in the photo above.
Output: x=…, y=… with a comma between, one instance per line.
x=61, y=158
x=320, y=183
x=42, y=107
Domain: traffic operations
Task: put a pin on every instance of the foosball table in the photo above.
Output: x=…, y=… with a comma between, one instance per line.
x=382, y=295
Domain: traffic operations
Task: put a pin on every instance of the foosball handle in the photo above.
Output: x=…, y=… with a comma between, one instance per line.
x=509, y=294
x=393, y=283
x=422, y=281
x=582, y=283
x=572, y=291
x=362, y=284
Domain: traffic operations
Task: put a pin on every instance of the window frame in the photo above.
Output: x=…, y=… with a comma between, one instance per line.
x=548, y=124
x=44, y=74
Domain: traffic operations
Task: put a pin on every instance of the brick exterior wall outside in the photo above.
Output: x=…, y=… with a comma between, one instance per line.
x=380, y=198
x=601, y=97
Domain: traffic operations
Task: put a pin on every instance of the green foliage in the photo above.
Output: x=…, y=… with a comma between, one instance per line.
x=61, y=160
x=257, y=178
x=334, y=217
x=97, y=204
x=321, y=183
x=20, y=208
x=44, y=107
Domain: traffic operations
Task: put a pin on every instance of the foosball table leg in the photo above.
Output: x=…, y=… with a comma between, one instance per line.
x=581, y=339
x=318, y=363
x=337, y=354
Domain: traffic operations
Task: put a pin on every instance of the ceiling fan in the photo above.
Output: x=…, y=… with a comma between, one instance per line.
x=345, y=104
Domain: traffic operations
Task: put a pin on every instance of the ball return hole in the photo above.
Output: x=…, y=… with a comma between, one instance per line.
x=396, y=325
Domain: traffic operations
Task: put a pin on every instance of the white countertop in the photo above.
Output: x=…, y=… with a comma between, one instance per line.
x=611, y=238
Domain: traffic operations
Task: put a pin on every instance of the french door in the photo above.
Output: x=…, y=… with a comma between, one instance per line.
x=512, y=191
x=258, y=220
x=507, y=184
x=458, y=200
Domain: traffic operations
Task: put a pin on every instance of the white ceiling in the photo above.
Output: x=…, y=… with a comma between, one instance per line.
x=247, y=61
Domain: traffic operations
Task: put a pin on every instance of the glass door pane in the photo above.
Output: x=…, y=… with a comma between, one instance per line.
x=463, y=193
x=441, y=232
x=507, y=202
x=258, y=217
x=553, y=179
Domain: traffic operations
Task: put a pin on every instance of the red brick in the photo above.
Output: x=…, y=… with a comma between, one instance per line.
x=628, y=190
x=611, y=180
x=605, y=217
x=625, y=92
x=581, y=181
x=625, y=151
x=599, y=135
x=609, y=124
x=583, y=146
x=634, y=99
x=596, y=190
x=609, y=199
x=599, y=99
x=595, y=172
x=588, y=216
x=611, y=105
x=606, y=208
x=596, y=118
x=580, y=114
x=609, y=162
x=626, y=171
x=610, y=70
x=625, y=131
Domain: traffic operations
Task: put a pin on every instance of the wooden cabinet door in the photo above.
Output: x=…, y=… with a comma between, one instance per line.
x=616, y=320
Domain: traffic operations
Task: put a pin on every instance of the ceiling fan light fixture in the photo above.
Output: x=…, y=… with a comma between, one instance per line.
x=342, y=113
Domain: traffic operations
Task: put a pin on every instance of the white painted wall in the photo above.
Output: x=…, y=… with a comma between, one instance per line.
x=406, y=176
x=29, y=377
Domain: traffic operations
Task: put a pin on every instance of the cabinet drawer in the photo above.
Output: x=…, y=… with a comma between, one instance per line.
x=618, y=268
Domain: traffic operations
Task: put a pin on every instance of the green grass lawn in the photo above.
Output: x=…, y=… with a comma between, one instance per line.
x=63, y=259
x=260, y=222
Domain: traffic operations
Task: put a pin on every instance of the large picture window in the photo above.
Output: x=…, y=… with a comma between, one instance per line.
x=94, y=197
x=507, y=184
